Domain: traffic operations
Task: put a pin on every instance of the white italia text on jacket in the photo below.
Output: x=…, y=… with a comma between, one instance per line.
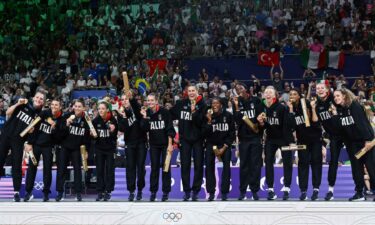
x=347, y=121
x=220, y=127
x=157, y=125
x=299, y=120
x=131, y=120
x=249, y=113
x=45, y=128
x=79, y=131
x=185, y=115
x=325, y=115
x=103, y=133
x=273, y=120
x=24, y=117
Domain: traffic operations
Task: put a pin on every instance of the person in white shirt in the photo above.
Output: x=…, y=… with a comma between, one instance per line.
x=65, y=91
x=81, y=83
x=91, y=82
x=202, y=84
x=214, y=86
x=34, y=72
x=321, y=26
x=177, y=76
x=83, y=53
x=223, y=89
x=70, y=82
x=25, y=79
x=114, y=73
x=64, y=55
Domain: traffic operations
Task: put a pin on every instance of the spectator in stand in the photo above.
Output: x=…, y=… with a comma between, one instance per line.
x=347, y=45
x=330, y=46
x=359, y=87
x=288, y=47
x=316, y=46
x=91, y=82
x=157, y=41
x=204, y=75
x=202, y=84
x=302, y=88
x=223, y=89
x=65, y=93
x=81, y=83
x=341, y=81
x=70, y=82
x=177, y=76
x=114, y=73
x=277, y=78
x=284, y=97
x=357, y=49
x=63, y=55
x=106, y=83
x=370, y=83
x=122, y=39
x=214, y=86
x=102, y=70
x=309, y=75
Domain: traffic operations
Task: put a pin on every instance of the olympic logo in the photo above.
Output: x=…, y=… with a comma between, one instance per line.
x=38, y=185
x=175, y=217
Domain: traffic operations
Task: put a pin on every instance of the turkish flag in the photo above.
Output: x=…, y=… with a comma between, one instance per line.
x=160, y=64
x=267, y=58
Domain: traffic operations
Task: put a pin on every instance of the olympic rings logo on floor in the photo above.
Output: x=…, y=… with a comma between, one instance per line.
x=172, y=216
x=38, y=185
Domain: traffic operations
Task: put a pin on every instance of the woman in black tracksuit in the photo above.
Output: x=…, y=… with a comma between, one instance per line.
x=190, y=113
x=311, y=137
x=278, y=134
x=322, y=112
x=46, y=134
x=76, y=133
x=157, y=121
x=219, y=131
x=19, y=115
x=135, y=139
x=357, y=132
x=250, y=145
x=105, y=147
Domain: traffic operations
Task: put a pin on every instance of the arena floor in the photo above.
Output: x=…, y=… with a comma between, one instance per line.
x=176, y=212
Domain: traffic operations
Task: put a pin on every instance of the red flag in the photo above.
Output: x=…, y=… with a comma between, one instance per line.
x=266, y=58
x=156, y=63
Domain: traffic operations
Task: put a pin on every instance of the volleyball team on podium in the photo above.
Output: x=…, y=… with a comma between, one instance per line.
x=205, y=133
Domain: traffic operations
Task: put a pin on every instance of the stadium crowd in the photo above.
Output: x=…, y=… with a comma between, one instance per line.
x=57, y=45
x=61, y=46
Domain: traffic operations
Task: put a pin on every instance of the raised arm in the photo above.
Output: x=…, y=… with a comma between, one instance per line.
x=271, y=71
x=309, y=91
x=11, y=109
x=281, y=71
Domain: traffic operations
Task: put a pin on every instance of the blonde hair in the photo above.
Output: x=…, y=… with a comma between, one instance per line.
x=349, y=97
x=369, y=113
x=154, y=95
x=274, y=90
x=270, y=87
x=276, y=95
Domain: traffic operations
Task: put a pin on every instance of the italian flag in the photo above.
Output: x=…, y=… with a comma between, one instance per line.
x=320, y=60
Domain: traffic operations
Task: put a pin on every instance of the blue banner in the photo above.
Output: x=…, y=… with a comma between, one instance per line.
x=92, y=93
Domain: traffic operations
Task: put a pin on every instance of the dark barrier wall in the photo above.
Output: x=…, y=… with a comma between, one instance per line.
x=92, y=93
x=242, y=68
